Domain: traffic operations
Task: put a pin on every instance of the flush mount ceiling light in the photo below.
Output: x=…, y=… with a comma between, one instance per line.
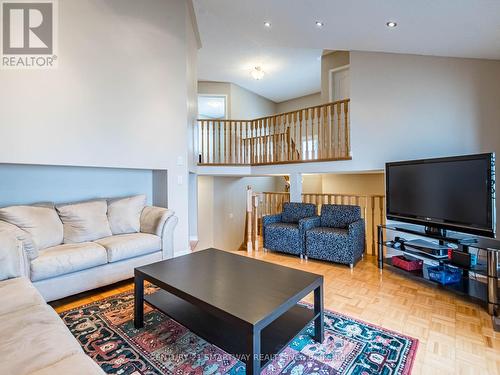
x=267, y=24
x=257, y=73
x=391, y=24
x=319, y=24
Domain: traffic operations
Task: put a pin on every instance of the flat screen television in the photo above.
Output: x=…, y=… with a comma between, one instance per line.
x=455, y=193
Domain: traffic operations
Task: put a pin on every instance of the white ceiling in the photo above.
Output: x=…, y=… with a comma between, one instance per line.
x=234, y=38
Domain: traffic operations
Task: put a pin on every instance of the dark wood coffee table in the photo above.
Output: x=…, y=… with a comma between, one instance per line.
x=245, y=306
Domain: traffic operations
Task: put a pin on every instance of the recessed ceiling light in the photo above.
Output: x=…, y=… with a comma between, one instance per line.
x=319, y=24
x=391, y=24
x=267, y=24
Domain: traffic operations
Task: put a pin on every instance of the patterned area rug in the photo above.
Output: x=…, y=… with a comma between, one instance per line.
x=106, y=332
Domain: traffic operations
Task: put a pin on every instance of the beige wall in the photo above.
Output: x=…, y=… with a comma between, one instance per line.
x=299, y=103
x=328, y=62
x=359, y=184
x=312, y=183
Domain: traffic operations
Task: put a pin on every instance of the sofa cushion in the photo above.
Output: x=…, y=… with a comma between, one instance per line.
x=125, y=246
x=40, y=221
x=76, y=364
x=339, y=216
x=34, y=338
x=18, y=294
x=293, y=212
x=67, y=258
x=84, y=221
x=283, y=237
x=124, y=214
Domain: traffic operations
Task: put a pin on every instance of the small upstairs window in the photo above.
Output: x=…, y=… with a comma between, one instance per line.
x=211, y=107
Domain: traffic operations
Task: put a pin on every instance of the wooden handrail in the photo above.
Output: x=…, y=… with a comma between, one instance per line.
x=372, y=209
x=317, y=133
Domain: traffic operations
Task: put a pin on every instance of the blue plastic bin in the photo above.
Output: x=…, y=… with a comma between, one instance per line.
x=445, y=275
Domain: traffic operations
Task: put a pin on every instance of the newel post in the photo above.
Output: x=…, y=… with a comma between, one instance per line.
x=249, y=218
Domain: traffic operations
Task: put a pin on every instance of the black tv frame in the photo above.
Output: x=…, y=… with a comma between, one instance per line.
x=438, y=226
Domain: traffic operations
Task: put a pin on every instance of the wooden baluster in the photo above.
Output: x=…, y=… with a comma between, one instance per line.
x=339, y=122
x=218, y=141
x=300, y=143
x=280, y=143
x=230, y=140
x=320, y=132
x=240, y=143
x=307, y=134
x=293, y=136
x=209, y=142
x=313, y=145
x=262, y=141
x=325, y=133
x=258, y=150
x=268, y=133
x=372, y=202
x=202, y=142
x=252, y=137
x=331, y=131
x=257, y=141
x=346, y=124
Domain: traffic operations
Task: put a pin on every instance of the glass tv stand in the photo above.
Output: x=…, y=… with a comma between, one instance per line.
x=478, y=282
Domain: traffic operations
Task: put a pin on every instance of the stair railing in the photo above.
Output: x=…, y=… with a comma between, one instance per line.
x=319, y=133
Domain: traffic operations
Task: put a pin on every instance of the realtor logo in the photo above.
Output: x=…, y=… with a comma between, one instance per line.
x=28, y=34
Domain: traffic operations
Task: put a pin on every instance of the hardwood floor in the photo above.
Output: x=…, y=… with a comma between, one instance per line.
x=456, y=335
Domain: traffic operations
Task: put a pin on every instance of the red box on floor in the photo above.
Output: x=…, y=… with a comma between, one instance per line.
x=404, y=263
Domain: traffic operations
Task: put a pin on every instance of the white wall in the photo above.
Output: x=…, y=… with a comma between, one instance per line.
x=299, y=103
x=205, y=212
x=117, y=98
x=247, y=105
x=242, y=104
x=222, y=208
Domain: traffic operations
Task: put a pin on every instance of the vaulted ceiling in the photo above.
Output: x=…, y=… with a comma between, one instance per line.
x=234, y=37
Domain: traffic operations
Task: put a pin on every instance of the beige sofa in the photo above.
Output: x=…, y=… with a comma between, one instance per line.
x=34, y=339
x=71, y=248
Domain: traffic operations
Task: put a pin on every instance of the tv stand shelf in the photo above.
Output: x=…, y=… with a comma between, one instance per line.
x=479, y=283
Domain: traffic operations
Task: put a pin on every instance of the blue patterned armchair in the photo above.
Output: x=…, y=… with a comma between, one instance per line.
x=286, y=232
x=340, y=237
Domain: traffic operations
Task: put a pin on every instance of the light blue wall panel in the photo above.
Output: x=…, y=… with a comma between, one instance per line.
x=25, y=184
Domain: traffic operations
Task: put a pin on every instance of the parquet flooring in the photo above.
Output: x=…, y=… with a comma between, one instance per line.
x=456, y=335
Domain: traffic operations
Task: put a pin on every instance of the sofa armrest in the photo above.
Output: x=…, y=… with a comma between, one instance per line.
x=13, y=259
x=29, y=246
x=161, y=222
x=357, y=235
x=269, y=219
x=305, y=225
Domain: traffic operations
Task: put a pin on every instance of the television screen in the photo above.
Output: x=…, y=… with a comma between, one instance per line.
x=449, y=193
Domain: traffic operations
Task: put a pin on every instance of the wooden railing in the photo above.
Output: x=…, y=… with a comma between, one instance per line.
x=270, y=203
x=319, y=133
